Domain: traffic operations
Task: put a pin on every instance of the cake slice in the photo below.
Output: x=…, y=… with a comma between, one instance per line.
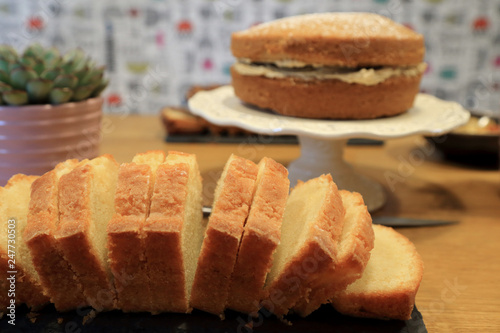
x=353, y=254
x=180, y=121
x=390, y=280
x=86, y=205
x=56, y=276
x=310, y=232
x=260, y=238
x=15, y=259
x=232, y=199
x=125, y=242
x=174, y=232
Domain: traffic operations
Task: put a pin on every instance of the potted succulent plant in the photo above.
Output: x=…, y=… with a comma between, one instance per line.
x=50, y=108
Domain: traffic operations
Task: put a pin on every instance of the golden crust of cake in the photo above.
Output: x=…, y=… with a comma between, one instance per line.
x=314, y=259
x=260, y=237
x=74, y=200
x=233, y=197
x=125, y=250
x=153, y=158
x=73, y=238
x=337, y=39
x=332, y=99
x=14, y=201
x=180, y=121
x=28, y=289
x=389, y=283
x=357, y=242
x=174, y=226
x=355, y=245
x=232, y=201
x=132, y=189
x=163, y=230
x=77, y=231
x=56, y=275
x=44, y=201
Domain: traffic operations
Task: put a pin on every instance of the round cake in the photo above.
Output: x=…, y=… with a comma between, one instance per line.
x=330, y=65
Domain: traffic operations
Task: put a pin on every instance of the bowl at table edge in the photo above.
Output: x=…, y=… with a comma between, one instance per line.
x=474, y=149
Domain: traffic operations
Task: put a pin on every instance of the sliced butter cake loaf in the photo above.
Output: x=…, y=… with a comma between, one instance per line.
x=311, y=228
x=86, y=205
x=390, y=280
x=355, y=245
x=260, y=238
x=14, y=254
x=232, y=200
x=174, y=232
x=125, y=241
x=56, y=275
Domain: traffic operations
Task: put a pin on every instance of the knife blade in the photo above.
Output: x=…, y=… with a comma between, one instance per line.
x=396, y=221
x=389, y=221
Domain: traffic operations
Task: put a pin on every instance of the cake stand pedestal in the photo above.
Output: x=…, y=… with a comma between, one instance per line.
x=322, y=142
x=327, y=156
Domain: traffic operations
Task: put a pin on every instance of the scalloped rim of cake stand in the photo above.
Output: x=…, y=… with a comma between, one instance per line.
x=323, y=141
x=429, y=116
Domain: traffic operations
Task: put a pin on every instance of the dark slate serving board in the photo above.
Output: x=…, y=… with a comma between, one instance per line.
x=325, y=319
x=254, y=139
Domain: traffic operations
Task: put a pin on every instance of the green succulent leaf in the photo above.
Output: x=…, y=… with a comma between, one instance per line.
x=39, y=67
x=69, y=55
x=73, y=65
x=100, y=69
x=4, y=64
x=28, y=61
x=82, y=93
x=91, y=78
x=76, y=55
x=50, y=74
x=4, y=87
x=97, y=91
x=39, y=90
x=15, y=65
x=40, y=74
x=82, y=73
x=4, y=77
x=80, y=64
x=34, y=50
x=66, y=81
x=8, y=52
x=60, y=95
x=51, y=57
x=91, y=63
x=20, y=77
x=67, y=67
x=15, y=97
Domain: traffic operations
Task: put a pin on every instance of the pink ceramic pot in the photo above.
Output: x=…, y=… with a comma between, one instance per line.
x=34, y=138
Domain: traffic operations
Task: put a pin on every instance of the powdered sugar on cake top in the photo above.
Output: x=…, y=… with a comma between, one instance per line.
x=338, y=25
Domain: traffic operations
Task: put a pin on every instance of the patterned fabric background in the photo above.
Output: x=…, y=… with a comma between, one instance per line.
x=156, y=49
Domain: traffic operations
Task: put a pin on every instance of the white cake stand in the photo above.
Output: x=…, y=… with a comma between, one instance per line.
x=322, y=142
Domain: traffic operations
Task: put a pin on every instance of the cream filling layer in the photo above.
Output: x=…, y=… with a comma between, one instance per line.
x=365, y=76
x=288, y=63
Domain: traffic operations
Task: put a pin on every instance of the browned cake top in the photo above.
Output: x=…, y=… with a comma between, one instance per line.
x=340, y=39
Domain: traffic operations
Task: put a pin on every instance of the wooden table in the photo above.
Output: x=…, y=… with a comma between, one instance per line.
x=460, y=291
